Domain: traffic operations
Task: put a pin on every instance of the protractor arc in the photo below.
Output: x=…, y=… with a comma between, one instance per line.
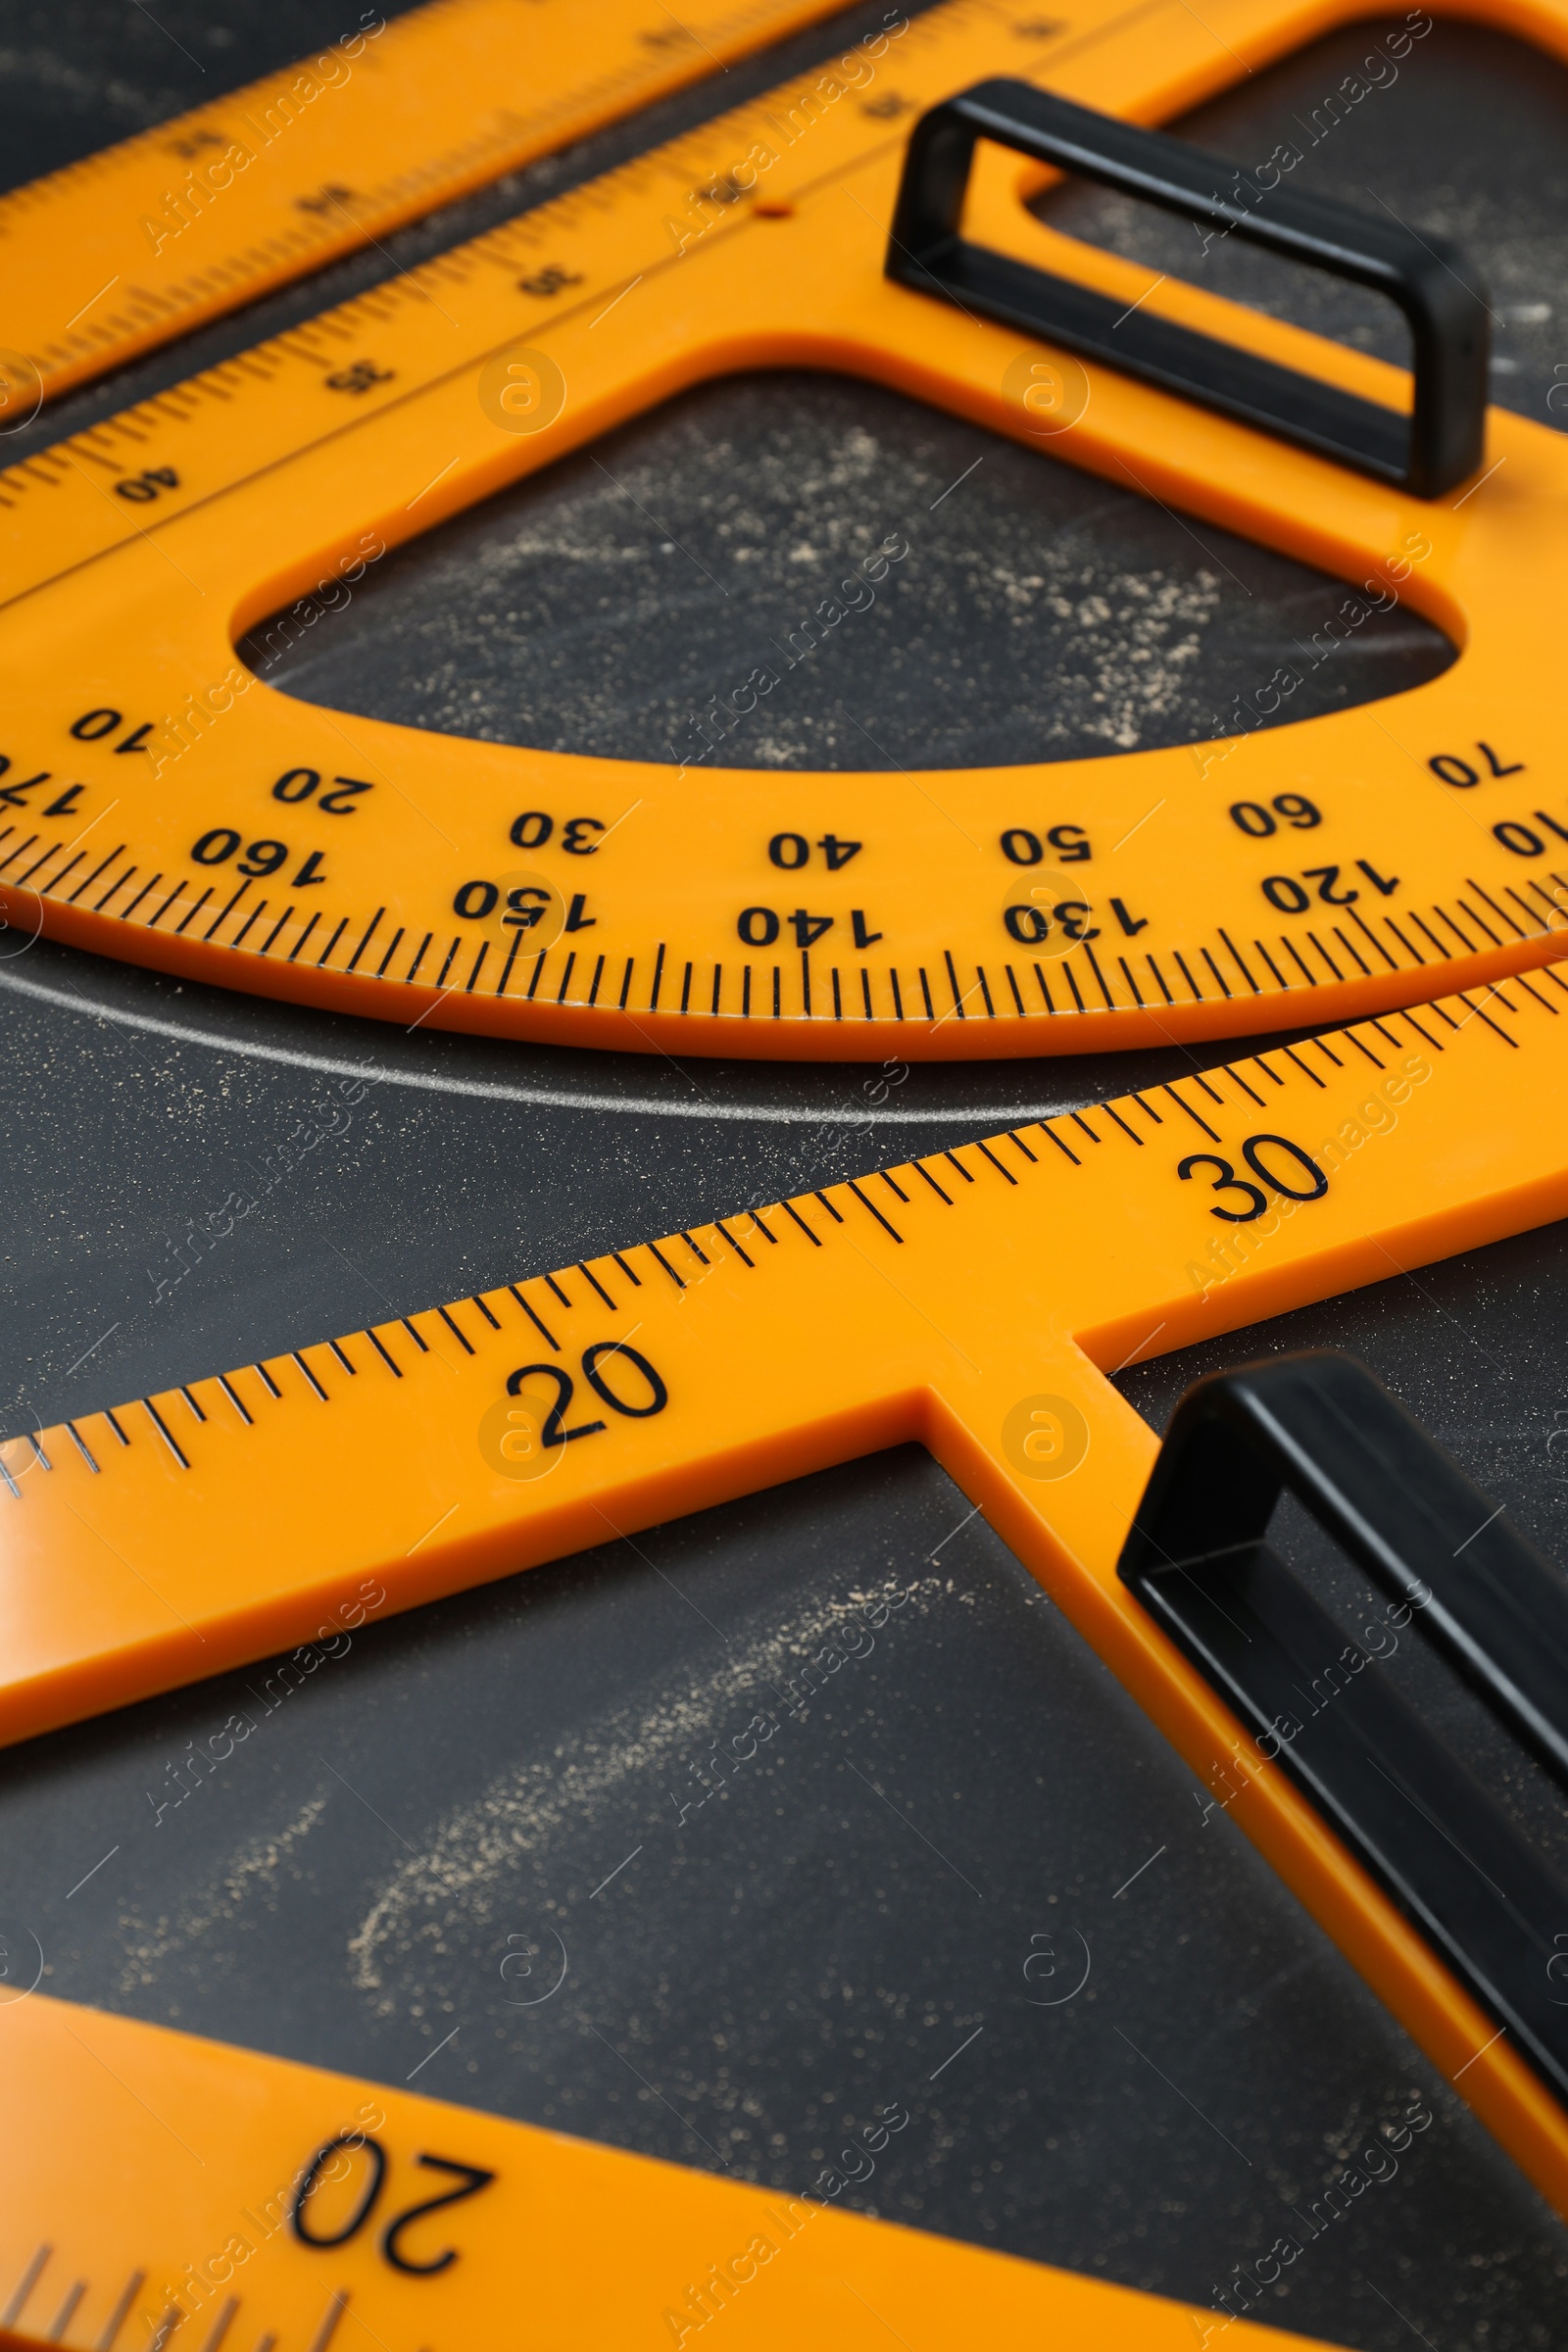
x=772, y=980
x=164, y=804
x=621, y=1715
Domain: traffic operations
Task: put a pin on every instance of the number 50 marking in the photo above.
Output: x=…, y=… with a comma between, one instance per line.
x=1227, y=1180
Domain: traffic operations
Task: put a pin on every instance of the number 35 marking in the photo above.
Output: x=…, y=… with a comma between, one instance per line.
x=1227, y=1180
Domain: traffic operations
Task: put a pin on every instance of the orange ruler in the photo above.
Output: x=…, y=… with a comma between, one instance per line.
x=146, y=240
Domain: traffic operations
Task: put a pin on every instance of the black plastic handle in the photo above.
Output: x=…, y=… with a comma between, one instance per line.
x=1439, y=444
x=1313, y=1698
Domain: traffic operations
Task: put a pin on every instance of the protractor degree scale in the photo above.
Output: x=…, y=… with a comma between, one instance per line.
x=164, y=804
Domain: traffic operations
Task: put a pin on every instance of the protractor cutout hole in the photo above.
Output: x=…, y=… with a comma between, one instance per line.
x=1386, y=120
x=629, y=603
x=884, y=1882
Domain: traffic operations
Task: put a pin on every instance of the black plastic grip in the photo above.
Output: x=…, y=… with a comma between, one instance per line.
x=1313, y=1699
x=1438, y=445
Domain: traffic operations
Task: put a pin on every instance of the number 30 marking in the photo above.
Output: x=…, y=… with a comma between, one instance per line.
x=1227, y=1180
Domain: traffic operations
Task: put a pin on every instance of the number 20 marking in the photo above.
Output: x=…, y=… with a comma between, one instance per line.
x=1227, y=1180
x=553, y=1430
x=472, y=2175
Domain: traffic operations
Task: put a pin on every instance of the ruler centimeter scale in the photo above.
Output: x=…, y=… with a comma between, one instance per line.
x=509, y=2235
x=975, y=1297
x=147, y=240
x=165, y=805
x=978, y=1298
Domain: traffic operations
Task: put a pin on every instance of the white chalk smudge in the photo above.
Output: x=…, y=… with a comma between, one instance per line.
x=466, y=1863
x=217, y=1903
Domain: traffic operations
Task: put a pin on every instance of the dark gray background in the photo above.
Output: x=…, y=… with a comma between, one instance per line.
x=820, y=1936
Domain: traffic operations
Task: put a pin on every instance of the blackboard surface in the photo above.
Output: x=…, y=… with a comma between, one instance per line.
x=735, y=1972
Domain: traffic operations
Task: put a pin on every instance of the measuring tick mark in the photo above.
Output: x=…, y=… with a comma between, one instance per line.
x=25, y=2287
x=93, y=1873
x=223, y=2324
x=326, y=2330
x=616, y=1873
x=435, y=2053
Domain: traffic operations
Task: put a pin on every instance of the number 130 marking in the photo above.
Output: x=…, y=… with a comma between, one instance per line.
x=1227, y=1180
